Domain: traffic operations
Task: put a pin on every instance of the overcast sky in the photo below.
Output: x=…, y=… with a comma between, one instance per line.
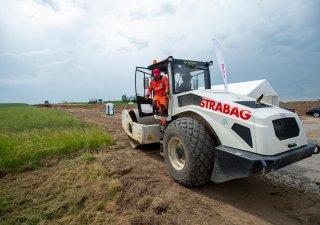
x=75, y=50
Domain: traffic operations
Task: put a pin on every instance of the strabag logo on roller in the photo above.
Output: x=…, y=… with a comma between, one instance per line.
x=226, y=109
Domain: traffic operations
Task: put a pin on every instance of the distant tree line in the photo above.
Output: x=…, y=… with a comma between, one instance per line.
x=126, y=98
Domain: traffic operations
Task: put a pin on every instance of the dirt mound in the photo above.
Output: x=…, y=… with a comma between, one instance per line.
x=301, y=107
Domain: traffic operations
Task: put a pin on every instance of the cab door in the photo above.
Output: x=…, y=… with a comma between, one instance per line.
x=142, y=81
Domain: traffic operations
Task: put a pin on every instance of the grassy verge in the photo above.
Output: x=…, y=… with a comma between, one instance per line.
x=73, y=192
x=29, y=134
x=120, y=103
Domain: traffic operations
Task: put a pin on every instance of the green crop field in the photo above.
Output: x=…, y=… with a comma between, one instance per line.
x=120, y=103
x=116, y=103
x=29, y=134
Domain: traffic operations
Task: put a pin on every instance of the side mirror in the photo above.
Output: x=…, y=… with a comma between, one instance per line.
x=146, y=83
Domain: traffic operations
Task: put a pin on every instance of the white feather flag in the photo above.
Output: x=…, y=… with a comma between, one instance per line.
x=219, y=55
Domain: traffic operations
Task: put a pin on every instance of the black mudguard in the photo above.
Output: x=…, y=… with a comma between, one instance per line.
x=231, y=163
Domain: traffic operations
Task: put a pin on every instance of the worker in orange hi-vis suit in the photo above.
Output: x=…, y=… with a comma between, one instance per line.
x=159, y=85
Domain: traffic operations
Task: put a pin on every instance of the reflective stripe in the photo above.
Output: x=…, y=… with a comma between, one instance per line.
x=160, y=86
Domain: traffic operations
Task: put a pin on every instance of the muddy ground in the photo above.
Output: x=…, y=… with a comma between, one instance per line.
x=149, y=196
x=287, y=196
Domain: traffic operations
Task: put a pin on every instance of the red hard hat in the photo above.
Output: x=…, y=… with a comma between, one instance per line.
x=156, y=72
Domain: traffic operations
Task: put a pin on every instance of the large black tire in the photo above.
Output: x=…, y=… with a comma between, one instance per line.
x=316, y=114
x=188, y=152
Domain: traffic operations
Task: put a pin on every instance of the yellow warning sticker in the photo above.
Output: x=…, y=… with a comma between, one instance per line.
x=149, y=138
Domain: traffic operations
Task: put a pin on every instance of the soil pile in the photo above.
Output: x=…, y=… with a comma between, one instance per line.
x=301, y=107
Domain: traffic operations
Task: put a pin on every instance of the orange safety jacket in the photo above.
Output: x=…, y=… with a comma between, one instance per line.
x=160, y=87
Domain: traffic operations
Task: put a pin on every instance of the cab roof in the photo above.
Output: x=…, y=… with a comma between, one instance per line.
x=163, y=64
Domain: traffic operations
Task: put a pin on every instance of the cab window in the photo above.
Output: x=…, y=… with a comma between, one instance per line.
x=187, y=78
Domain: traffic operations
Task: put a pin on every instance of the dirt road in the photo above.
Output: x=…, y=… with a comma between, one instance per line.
x=150, y=196
x=310, y=167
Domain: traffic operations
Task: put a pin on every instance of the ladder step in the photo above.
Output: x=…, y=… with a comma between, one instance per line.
x=161, y=147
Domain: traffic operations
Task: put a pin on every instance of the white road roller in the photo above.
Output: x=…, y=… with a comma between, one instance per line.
x=213, y=135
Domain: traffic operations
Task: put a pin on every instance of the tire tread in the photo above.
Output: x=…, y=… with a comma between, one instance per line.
x=201, y=147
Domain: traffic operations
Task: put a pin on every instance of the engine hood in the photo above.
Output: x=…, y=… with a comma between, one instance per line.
x=273, y=129
x=224, y=96
x=235, y=105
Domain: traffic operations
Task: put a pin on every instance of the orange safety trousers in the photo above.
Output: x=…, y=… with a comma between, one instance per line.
x=161, y=100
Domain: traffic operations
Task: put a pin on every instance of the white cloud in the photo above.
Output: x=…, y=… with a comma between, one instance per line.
x=82, y=68
x=72, y=44
x=18, y=82
x=53, y=5
x=42, y=52
x=139, y=43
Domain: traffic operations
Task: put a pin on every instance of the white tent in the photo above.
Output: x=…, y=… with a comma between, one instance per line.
x=253, y=89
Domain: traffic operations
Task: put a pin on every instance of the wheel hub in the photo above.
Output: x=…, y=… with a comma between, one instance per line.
x=176, y=153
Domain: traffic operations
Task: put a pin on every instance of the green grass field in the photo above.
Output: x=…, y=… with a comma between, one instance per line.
x=29, y=134
x=116, y=103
